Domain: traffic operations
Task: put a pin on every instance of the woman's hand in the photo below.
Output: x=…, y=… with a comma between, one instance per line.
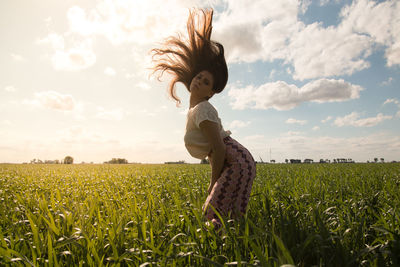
x=211, y=131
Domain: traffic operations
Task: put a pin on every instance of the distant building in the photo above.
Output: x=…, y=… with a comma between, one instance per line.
x=343, y=160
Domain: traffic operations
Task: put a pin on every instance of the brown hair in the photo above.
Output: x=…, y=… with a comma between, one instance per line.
x=184, y=59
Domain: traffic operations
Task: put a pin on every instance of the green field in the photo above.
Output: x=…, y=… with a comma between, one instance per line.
x=150, y=215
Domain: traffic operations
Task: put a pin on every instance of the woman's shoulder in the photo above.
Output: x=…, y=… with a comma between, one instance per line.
x=205, y=105
x=203, y=108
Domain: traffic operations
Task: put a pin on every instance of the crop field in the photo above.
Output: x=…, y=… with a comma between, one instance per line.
x=150, y=215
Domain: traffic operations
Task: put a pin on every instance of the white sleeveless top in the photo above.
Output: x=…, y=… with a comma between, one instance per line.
x=195, y=141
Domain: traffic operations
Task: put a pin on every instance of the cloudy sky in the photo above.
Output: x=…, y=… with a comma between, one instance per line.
x=308, y=79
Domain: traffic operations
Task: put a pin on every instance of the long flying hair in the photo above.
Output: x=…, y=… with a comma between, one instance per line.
x=183, y=59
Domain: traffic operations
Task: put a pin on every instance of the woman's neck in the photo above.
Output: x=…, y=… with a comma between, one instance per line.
x=193, y=101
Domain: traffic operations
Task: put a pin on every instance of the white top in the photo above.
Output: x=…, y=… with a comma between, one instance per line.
x=195, y=141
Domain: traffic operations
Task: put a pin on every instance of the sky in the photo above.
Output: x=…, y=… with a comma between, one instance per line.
x=307, y=79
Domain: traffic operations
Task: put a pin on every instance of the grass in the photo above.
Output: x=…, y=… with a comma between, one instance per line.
x=150, y=215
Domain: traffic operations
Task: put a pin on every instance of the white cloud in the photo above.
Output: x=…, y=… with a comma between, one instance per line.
x=129, y=76
x=272, y=74
x=325, y=90
x=353, y=119
x=301, y=146
x=304, y=5
x=393, y=54
x=394, y=101
x=79, y=56
x=140, y=22
x=251, y=30
x=256, y=140
x=282, y=96
x=10, y=89
x=238, y=124
x=81, y=136
x=295, y=121
x=258, y=137
x=391, y=100
x=241, y=42
x=270, y=30
x=82, y=143
x=316, y=51
x=110, y=71
x=157, y=110
x=149, y=113
x=114, y=114
x=53, y=100
x=315, y=128
x=292, y=133
x=144, y=86
x=78, y=109
x=184, y=111
x=17, y=57
x=380, y=21
x=323, y=2
x=327, y=119
x=157, y=151
x=387, y=82
x=359, y=148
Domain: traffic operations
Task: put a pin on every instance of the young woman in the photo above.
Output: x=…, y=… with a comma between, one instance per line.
x=199, y=64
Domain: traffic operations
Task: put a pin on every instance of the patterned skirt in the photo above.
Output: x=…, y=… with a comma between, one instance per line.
x=231, y=192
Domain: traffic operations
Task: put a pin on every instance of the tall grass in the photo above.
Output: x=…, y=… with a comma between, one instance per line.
x=150, y=215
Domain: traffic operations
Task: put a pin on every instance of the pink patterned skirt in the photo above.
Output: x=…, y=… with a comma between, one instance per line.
x=231, y=192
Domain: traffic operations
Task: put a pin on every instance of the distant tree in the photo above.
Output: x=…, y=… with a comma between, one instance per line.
x=117, y=161
x=122, y=161
x=204, y=161
x=68, y=160
x=286, y=160
x=375, y=160
x=382, y=160
x=175, y=162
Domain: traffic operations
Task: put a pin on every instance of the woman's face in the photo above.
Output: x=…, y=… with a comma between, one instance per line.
x=202, y=84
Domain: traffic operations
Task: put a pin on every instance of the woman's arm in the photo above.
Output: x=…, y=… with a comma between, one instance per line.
x=212, y=132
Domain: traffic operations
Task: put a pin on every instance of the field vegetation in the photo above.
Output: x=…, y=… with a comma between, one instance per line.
x=150, y=215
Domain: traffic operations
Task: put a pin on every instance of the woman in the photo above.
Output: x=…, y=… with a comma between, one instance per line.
x=199, y=64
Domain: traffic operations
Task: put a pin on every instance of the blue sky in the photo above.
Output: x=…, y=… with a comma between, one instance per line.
x=308, y=79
